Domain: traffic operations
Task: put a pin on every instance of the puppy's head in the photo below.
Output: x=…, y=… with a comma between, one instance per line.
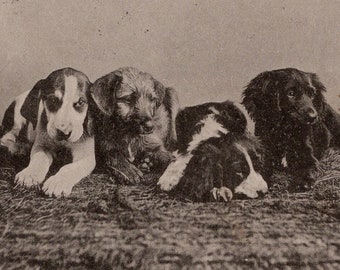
x=131, y=96
x=61, y=103
x=243, y=165
x=289, y=91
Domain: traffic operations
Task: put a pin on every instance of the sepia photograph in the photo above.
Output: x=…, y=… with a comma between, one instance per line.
x=169, y=134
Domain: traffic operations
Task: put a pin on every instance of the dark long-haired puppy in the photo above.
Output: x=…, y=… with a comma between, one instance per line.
x=293, y=120
x=135, y=123
x=216, y=155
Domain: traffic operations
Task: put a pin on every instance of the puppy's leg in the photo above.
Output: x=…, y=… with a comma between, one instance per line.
x=332, y=121
x=37, y=169
x=302, y=163
x=123, y=170
x=203, y=178
x=155, y=162
x=154, y=157
x=69, y=175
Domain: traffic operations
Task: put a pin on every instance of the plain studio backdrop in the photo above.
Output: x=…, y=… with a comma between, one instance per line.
x=206, y=50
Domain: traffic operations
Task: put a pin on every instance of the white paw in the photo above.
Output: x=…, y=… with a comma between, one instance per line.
x=222, y=192
x=174, y=172
x=57, y=186
x=29, y=177
x=167, y=183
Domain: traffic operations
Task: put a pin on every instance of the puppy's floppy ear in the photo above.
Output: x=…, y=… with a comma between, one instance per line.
x=30, y=108
x=319, y=100
x=103, y=91
x=88, y=125
x=261, y=93
x=160, y=91
x=317, y=83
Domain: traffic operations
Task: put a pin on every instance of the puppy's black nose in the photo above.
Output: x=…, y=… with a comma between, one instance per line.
x=312, y=116
x=61, y=136
x=147, y=127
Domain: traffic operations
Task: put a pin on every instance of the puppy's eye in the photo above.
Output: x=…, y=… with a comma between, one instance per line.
x=80, y=103
x=126, y=99
x=153, y=99
x=291, y=94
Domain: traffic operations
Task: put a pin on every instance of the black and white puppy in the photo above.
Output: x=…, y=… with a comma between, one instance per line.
x=216, y=155
x=53, y=116
x=135, y=123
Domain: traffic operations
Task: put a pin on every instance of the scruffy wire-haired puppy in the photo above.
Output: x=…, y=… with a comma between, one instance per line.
x=135, y=123
x=55, y=117
x=293, y=120
x=216, y=157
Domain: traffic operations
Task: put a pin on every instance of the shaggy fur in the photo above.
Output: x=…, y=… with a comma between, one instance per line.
x=293, y=121
x=216, y=155
x=135, y=123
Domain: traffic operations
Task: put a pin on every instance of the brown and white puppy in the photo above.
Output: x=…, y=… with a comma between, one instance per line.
x=136, y=122
x=55, y=116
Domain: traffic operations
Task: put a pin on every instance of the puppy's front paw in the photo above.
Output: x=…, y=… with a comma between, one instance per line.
x=57, y=186
x=167, y=182
x=302, y=182
x=223, y=193
x=146, y=165
x=173, y=174
x=29, y=177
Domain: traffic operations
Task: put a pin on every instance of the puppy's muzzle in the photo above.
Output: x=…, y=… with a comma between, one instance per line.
x=61, y=136
x=146, y=127
x=311, y=116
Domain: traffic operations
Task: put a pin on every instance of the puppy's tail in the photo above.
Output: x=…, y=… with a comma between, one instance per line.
x=332, y=121
x=172, y=106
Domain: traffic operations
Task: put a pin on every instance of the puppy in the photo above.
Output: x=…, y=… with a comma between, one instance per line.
x=293, y=120
x=53, y=116
x=136, y=123
x=216, y=155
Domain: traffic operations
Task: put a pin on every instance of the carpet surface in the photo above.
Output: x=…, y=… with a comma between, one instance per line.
x=103, y=225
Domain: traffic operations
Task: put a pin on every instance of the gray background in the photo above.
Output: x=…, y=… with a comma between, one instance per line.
x=207, y=50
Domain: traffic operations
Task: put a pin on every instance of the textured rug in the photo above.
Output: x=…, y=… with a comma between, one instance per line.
x=103, y=225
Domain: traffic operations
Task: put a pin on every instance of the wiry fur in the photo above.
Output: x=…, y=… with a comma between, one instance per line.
x=135, y=120
x=292, y=119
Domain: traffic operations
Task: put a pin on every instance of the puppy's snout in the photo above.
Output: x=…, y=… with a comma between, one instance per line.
x=147, y=127
x=311, y=115
x=61, y=136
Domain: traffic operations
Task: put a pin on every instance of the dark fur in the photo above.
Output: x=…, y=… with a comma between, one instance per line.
x=216, y=162
x=135, y=120
x=20, y=157
x=293, y=120
x=187, y=120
